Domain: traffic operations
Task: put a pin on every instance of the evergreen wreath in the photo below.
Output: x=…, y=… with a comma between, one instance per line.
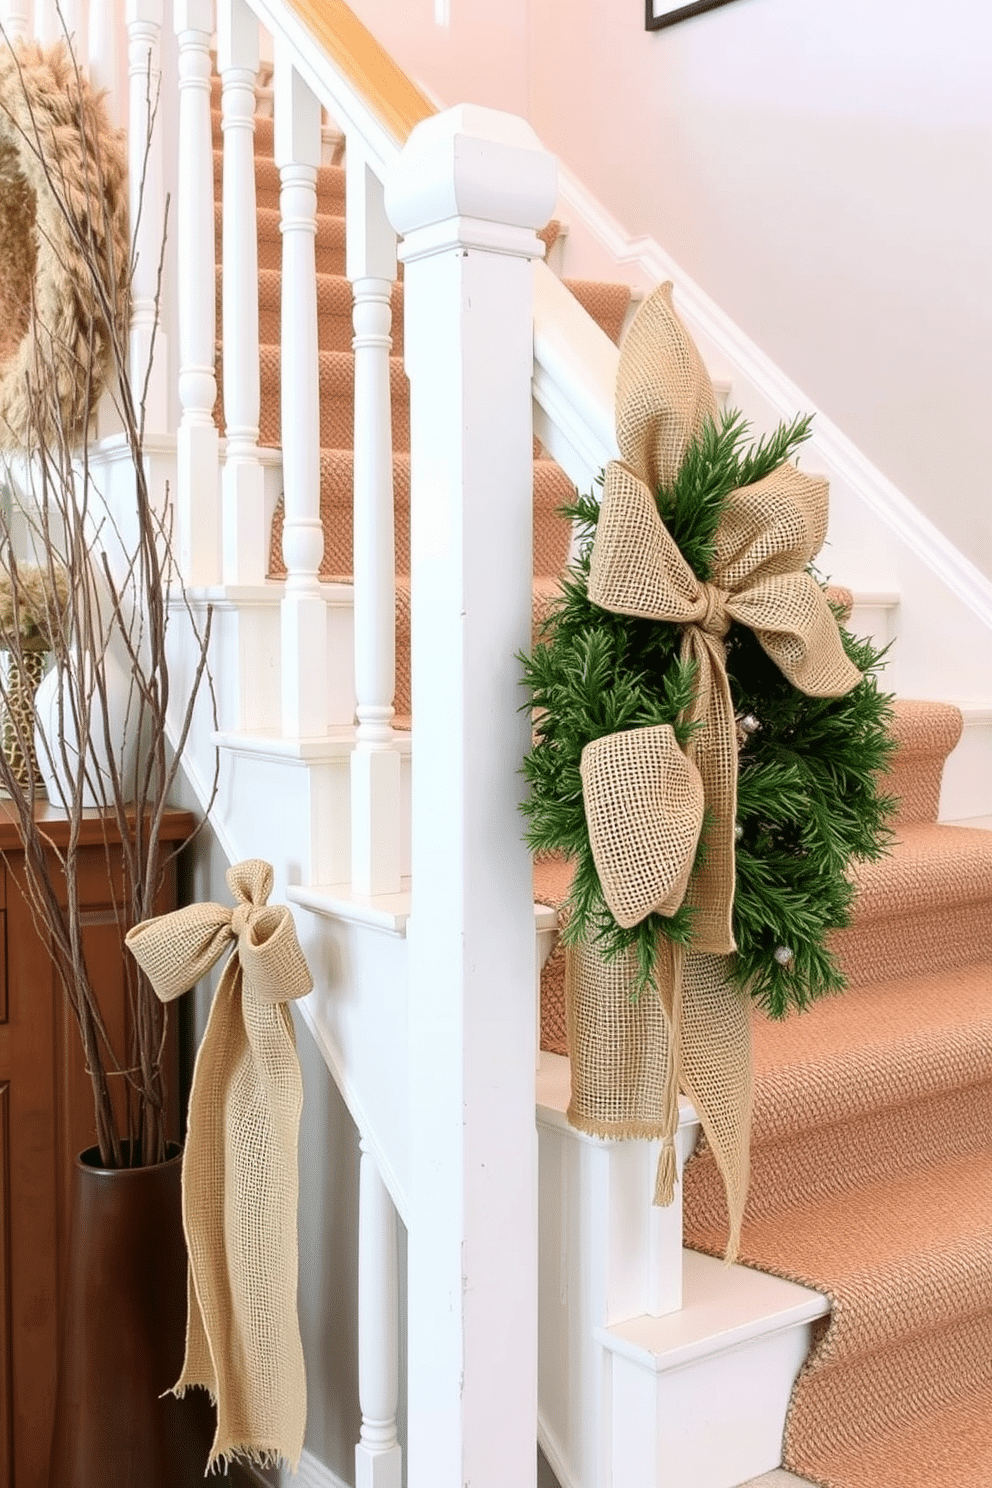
x=809, y=801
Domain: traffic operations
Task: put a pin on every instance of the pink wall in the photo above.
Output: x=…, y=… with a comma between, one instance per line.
x=822, y=170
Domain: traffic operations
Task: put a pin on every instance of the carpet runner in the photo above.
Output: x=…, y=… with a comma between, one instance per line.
x=872, y=1160
x=872, y=1143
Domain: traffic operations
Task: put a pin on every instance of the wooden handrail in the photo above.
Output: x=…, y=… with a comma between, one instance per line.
x=395, y=98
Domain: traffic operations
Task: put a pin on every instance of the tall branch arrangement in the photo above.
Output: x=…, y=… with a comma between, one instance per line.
x=95, y=587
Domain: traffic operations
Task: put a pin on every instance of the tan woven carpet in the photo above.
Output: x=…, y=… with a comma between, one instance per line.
x=872, y=1155
x=872, y=1162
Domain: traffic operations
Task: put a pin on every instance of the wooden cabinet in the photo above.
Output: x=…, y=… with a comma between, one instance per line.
x=46, y=1118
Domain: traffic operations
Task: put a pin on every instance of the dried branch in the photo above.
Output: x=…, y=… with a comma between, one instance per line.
x=98, y=591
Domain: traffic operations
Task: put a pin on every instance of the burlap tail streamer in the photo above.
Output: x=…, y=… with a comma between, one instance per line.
x=631, y=1053
x=645, y=799
x=240, y=1178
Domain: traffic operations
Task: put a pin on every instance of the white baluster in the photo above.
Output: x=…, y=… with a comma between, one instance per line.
x=75, y=15
x=196, y=451
x=375, y=764
x=18, y=19
x=149, y=349
x=47, y=26
x=304, y=612
x=467, y=194
x=245, y=538
x=104, y=51
x=378, y=1455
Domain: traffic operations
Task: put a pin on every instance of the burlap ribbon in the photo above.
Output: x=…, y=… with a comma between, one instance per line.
x=240, y=1179
x=645, y=798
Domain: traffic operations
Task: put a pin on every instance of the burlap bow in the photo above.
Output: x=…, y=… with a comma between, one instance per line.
x=645, y=798
x=240, y=1179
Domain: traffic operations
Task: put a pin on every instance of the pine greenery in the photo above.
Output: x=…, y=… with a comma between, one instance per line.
x=808, y=794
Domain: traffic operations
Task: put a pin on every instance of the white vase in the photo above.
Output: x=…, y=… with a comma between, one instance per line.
x=58, y=753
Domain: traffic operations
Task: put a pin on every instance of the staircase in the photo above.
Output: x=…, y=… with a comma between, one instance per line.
x=369, y=740
x=870, y=1195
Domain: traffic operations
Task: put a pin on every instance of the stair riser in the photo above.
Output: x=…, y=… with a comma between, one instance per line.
x=711, y=1425
x=330, y=181
x=247, y=663
x=334, y=332
x=915, y=781
x=885, y=1386
x=337, y=401
x=308, y=803
x=811, y=1166
x=334, y=316
x=908, y=946
x=329, y=249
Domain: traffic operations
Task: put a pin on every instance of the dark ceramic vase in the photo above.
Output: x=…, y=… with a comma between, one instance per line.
x=123, y=1334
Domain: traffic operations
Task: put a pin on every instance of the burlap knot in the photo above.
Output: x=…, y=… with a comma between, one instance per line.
x=645, y=798
x=240, y=1179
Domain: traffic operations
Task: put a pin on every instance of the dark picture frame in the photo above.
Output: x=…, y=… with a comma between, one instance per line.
x=661, y=13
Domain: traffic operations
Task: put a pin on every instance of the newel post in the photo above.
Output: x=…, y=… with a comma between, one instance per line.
x=467, y=194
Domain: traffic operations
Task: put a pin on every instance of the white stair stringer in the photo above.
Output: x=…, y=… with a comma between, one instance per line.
x=658, y=1367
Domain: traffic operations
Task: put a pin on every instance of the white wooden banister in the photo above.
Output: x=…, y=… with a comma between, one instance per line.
x=375, y=764
x=245, y=540
x=304, y=611
x=468, y=193
x=575, y=373
x=378, y=1456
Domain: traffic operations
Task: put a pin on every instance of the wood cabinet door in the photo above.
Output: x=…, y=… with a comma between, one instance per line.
x=46, y=1118
x=27, y=1076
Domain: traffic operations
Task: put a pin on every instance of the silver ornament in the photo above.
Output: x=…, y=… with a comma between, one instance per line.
x=738, y=832
x=750, y=724
x=784, y=956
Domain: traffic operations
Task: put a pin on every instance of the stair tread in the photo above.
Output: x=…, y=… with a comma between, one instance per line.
x=930, y=865
x=918, y=1036
x=925, y=728
x=959, y=871
x=842, y=1239
x=722, y=1307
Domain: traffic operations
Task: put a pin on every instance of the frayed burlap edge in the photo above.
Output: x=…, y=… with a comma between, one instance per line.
x=55, y=375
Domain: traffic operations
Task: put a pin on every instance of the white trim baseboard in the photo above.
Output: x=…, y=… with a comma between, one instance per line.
x=311, y=1474
x=554, y=1452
